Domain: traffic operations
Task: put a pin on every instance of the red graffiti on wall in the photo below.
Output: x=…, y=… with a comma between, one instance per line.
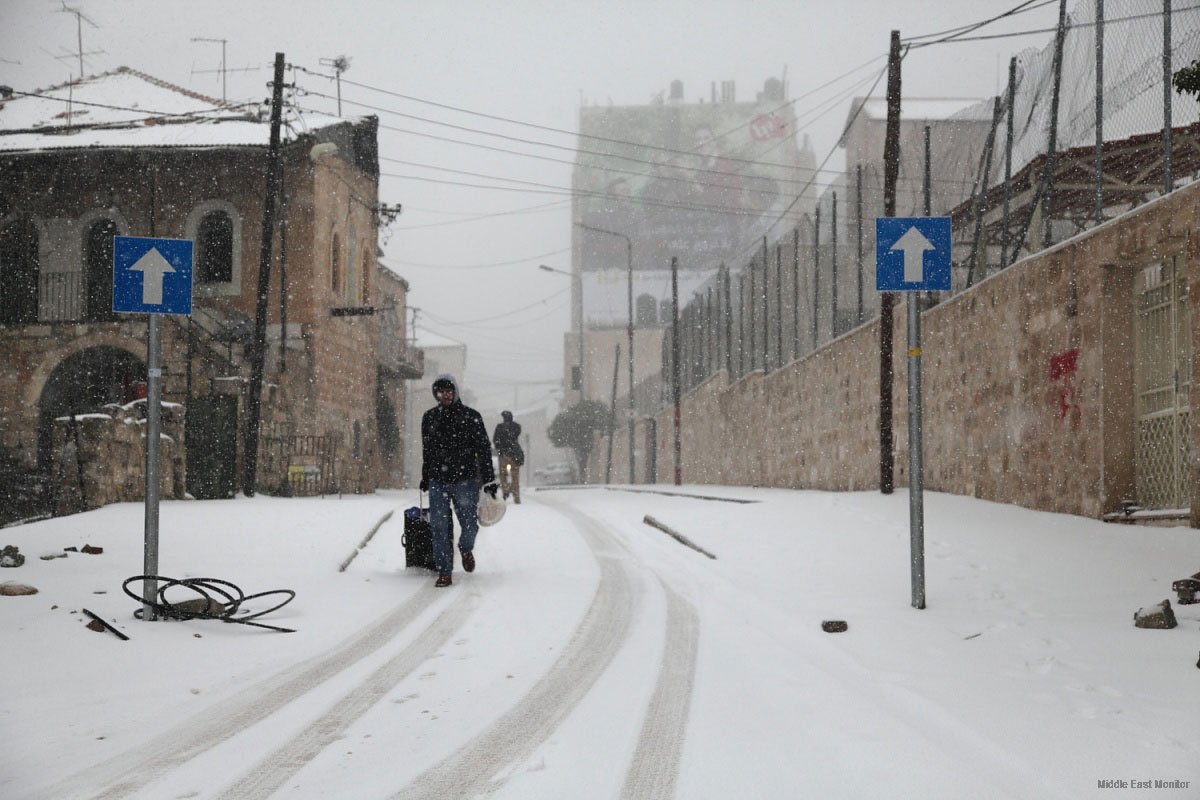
x=1062, y=372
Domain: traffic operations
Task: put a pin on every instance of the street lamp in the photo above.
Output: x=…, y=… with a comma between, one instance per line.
x=629, y=258
x=579, y=310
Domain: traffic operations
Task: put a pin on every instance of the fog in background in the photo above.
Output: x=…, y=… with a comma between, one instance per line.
x=434, y=72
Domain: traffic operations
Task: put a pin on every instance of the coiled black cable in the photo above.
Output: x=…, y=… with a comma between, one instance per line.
x=231, y=599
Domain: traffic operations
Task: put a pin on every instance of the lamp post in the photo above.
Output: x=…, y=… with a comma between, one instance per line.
x=629, y=259
x=579, y=311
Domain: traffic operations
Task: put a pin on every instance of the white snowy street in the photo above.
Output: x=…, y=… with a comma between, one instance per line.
x=592, y=656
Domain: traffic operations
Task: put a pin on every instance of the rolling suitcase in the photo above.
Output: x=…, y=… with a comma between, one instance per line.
x=418, y=536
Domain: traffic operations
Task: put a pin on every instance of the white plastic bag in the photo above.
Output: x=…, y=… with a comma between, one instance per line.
x=491, y=509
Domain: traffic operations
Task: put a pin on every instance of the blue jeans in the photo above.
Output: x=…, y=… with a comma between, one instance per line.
x=465, y=496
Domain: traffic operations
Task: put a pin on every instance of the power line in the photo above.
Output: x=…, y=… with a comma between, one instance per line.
x=576, y=150
x=151, y=114
x=553, y=205
x=497, y=316
x=481, y=266
x=853, y=117
x=1020, y=8
x=1073, y=26
x=553, y=146
x=551, y=129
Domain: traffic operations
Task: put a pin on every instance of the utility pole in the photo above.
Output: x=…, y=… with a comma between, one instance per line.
x=1012, y=99
x=858, y=318
x=675, y=389
x=1052, y=149
x=258, y=346
x=1099, y=168
x=891, y=170
x=1168, y=181
x=612, y=414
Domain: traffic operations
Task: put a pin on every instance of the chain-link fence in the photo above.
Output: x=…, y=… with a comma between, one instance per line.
x=1005, y=193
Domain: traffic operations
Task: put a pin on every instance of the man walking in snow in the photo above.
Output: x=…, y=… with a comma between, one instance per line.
x=456, y=459
x=508, y=448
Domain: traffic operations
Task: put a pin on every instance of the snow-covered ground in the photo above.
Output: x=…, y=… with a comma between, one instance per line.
x=593, y=656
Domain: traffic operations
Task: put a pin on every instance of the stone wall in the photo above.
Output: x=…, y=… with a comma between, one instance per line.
x=1027, y=386
x=100, y=458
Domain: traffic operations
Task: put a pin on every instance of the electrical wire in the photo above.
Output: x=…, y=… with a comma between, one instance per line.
x=150, y=113
x=480, y=266
x=1074, y=26
x=433, y=316
x=1020, y=8
x=747, y=250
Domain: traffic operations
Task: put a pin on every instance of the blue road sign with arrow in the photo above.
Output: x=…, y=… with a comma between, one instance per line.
x=912, y=254
x=152, y=276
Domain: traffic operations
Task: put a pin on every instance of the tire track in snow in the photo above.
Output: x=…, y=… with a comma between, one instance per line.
x=122, y=775
x=655, y=764
x=272, y=771
x=482, y=765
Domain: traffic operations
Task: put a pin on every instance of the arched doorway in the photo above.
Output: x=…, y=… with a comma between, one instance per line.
x=85, y=382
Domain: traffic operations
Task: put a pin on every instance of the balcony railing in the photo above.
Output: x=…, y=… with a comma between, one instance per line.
x=395, y=353
x=60, y=297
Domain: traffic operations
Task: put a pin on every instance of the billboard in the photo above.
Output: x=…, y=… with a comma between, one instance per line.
x=698, y=181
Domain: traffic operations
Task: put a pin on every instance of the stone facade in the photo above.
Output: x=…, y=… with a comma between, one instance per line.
x=1028, y=384
x=324, y=330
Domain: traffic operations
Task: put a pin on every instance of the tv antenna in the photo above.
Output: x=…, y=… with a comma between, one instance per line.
x=340, y=65
x=222, y=69
x=80, y=18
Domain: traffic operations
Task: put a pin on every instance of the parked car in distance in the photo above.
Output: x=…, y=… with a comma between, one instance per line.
x=560, y=473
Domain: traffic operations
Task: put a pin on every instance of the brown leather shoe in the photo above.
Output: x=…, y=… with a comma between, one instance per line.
x=468, y=561
x=443, y=580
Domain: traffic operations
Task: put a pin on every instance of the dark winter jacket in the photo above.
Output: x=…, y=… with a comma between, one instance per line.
x=454, y=444
x=507, y=440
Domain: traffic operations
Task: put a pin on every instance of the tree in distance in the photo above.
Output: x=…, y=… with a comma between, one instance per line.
x=574, y=427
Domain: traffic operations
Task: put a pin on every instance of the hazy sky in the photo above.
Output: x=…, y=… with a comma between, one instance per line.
x=532, y=61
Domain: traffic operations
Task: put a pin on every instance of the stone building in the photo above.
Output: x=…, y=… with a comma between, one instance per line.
x=126, y=154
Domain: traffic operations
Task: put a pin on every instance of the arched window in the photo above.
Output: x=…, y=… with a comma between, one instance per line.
x=366, y=280
x=335, y=265
x=18, y=273
x=647, y=309
x=99, y=270
x=351, y=289
x=214, y=240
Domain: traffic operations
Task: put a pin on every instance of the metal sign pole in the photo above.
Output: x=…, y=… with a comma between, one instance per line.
x=916, y=504
x=901, y=265
x=153, y=405
x=152, y=276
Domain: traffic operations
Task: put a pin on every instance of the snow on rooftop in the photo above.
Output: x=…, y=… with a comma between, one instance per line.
x=127, y=108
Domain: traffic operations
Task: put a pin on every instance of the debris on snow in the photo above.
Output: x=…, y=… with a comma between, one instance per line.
x=1159, y=616
x=11, y=557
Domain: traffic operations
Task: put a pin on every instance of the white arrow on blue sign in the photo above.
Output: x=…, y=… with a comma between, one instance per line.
x=912, y=254
x=152, y=276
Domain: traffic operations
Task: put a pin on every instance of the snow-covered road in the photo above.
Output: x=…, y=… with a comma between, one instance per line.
x=593, y=656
